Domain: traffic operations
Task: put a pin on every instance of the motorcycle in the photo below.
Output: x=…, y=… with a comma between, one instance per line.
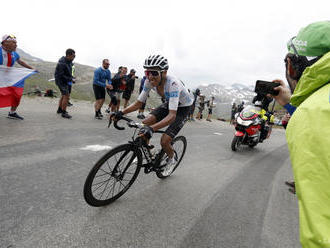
x=250, y=127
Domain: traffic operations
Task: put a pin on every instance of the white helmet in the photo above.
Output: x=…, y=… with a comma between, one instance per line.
x=156, y=61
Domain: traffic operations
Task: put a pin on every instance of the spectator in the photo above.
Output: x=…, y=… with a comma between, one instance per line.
x=122, y=86
x=63, y=75
x=210, y=105
x=113, y=92
x=308, y=75
x=192, y=109
x=201, y=107
x=129, y=87
x=240, y=107
x=119, y=84
x=101, y=80
x=72, y=82
x=285, y=120
x=233, y=112
x=8, y=57
x=141, y=110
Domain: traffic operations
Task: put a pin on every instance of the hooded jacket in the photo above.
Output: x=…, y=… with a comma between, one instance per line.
x=308, y=136
x=63, y=71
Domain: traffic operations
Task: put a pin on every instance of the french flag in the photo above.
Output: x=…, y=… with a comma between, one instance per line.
x=12, y=85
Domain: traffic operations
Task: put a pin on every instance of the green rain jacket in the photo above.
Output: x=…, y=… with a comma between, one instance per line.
x=308, y=136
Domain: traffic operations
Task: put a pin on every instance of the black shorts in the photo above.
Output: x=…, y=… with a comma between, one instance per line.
x=210, y=111
x=99, y=92
x=127, y=95
x=64, y=88
x=113, y=96
x=181, y=117
x=70, y=88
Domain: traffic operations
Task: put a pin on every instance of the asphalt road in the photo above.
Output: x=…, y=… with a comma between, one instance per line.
x=216, y=198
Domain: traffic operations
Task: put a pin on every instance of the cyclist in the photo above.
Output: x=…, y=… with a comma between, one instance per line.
x=172, y=113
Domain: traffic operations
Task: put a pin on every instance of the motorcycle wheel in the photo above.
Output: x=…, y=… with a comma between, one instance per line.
x=237, y=141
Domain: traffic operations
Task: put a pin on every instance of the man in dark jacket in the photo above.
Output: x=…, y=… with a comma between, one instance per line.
x=129, y=87
x=63, y=76
x=118, y=84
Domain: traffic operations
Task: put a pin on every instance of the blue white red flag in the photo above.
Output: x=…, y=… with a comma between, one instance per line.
x=12, y=85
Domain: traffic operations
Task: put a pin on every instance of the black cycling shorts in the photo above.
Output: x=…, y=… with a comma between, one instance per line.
x=64, y=88
x=210, y=111
x=99, y=92
x=181, y=117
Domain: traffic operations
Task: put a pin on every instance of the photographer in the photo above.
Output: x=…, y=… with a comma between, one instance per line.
x=308, y=75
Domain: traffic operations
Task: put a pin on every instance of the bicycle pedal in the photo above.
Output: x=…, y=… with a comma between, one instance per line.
x=147, y=170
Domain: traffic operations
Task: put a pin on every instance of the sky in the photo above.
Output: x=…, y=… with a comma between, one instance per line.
x=223, y=42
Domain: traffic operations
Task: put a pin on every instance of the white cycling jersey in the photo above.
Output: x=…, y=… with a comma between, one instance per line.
x=175, y=92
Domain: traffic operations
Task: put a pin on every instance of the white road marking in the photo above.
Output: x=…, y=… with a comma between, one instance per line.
x=218, y=133
x=96, y=148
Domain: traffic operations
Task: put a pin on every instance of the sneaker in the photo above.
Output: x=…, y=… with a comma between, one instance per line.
x=66, y=115
x=192, y=119
x=170, y=164
x=142, y=116
x=70, y=104
x=100, y=114
x=59, y=110
x=290, y=184
x=15, y=116
x=97, y=116
x=108, y=110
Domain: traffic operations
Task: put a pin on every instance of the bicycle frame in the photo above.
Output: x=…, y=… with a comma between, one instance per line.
x=141, y=145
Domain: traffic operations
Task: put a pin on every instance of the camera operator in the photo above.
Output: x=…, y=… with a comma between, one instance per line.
x=308, y=75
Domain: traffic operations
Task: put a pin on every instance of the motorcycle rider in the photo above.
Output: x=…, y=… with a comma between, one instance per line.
x=263, y=102
x=308, y=75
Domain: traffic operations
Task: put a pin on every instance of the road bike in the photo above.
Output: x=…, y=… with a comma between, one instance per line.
x=117, y=170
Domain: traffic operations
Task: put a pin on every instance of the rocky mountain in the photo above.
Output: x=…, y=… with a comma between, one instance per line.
x=25, y=56
x=226, y=95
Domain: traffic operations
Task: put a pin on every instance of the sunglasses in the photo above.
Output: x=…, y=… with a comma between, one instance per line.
x=152, y=73
x=11, y=37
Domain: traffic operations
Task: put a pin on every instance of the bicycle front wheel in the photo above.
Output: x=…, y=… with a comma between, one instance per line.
x=112, y=175
x=179, y=145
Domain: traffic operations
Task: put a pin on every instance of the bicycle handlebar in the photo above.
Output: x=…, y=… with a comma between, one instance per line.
x=130, y=123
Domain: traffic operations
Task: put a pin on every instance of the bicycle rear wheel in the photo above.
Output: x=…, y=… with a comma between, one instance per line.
x=179, y=145
x=112, y=175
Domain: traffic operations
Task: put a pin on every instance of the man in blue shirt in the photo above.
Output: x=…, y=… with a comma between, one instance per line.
x=102, y=80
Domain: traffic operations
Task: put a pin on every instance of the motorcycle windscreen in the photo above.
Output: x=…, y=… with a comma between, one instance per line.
x=250, y=112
